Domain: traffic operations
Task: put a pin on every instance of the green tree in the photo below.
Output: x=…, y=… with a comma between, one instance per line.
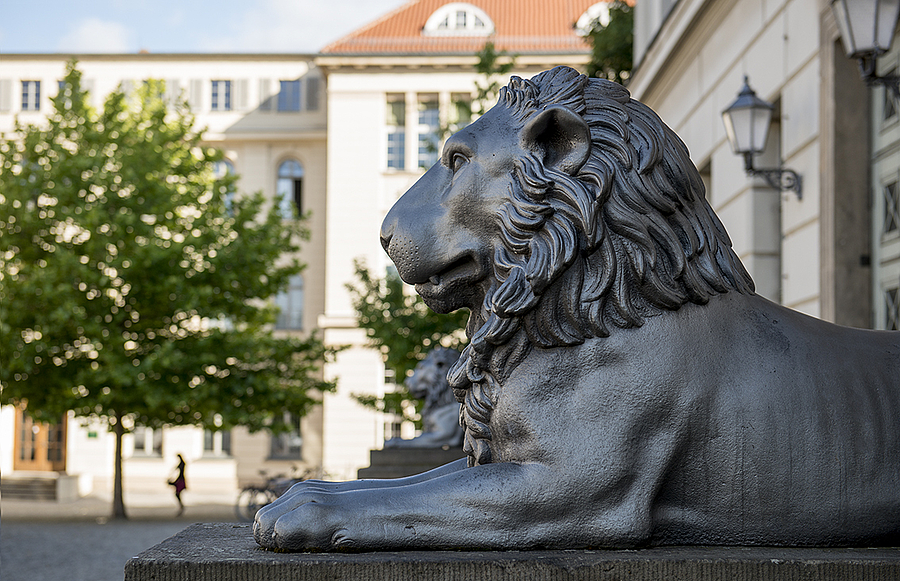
x=612, y=46
x=134, y=285
x=402, y=328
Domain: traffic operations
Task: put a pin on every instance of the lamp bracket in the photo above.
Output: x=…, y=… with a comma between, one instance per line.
x=868, y=73
x=779, y=178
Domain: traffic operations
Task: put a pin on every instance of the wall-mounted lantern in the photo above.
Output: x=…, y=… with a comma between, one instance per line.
x=747, y=123
x=867, y=29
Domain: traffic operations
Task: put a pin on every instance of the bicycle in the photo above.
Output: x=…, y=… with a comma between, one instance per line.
x=252, y=498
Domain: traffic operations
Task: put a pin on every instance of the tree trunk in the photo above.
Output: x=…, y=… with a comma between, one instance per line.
x=118, y=498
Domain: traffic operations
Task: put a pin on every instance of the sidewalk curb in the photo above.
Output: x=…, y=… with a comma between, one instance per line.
x=93, y=508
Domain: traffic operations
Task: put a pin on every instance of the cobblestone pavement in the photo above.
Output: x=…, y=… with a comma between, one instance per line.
x=48, y=541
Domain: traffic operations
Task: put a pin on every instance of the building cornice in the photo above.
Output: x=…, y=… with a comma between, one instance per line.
x=665, y=43
x=267, y=135
x=448, y=62
x=119, y=57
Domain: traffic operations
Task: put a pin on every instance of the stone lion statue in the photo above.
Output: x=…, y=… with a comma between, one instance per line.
x=440, y=414
x=623, y=386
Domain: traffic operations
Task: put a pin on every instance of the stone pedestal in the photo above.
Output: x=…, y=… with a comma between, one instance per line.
x=222, y=551
x=399, y=462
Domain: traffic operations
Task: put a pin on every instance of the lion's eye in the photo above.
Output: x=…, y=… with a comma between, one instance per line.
x=457, y=161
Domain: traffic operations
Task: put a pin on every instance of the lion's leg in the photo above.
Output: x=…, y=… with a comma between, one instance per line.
x=306, y=491
x=494, y=506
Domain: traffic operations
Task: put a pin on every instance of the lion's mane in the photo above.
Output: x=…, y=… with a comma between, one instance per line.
x=629, y=237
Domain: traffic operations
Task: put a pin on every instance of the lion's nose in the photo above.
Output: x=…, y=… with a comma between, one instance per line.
x=387, y=232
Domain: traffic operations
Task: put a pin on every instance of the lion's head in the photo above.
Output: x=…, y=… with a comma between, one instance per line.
x=566, y=211
x=429, y=380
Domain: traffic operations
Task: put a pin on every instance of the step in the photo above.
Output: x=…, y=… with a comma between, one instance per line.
x=399, y=462
x=25, y=488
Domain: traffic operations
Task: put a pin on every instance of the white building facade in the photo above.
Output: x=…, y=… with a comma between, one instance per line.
x=832, y=253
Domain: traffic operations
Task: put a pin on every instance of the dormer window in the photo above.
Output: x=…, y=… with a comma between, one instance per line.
x=458, y=19
x=599, y=11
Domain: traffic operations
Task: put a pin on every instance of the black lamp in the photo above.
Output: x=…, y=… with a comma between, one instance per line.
x=867, y=30
x=747, y=122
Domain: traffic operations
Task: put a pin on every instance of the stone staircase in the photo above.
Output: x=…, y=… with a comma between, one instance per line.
x=29, y=486
x=399, y=462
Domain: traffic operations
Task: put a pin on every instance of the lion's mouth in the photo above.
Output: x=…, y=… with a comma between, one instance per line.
x=463, y=268
x=464, y=271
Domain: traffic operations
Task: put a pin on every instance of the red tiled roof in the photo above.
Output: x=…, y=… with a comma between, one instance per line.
x=520, y=26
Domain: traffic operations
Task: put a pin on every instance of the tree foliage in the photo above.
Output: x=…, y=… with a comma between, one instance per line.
x=612, y=46
x=402, y=328
x=134, y=284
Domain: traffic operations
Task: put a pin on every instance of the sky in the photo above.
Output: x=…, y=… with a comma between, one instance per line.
x=192, y=26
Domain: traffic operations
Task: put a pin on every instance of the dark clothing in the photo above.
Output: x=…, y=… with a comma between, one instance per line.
x=179, y=483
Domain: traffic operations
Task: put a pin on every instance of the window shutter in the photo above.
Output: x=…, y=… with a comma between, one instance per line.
x=240, y=94
x=195, y=98
x=312, y=93
x=173, y=91
x=5, y=94
x=265, y=94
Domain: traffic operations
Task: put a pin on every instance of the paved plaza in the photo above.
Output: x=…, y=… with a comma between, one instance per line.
x=76, y=541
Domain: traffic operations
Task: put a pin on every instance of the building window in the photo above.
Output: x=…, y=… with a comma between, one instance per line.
x=892, y=309
x=289, y=189
x=393, y=429
x=31, y=95
x=220, y=170
x=148, y=442
x=461, y=110
x=290, y=305
x=888, y=106
x=312, y=93
x=221, y=96
x=428, y=130
x=396, y=132
x=289, y=96
x=458, y=19
x=891, y=208
x=217, y=443
x=61, y=86
x=288, y=445
x=223, y=168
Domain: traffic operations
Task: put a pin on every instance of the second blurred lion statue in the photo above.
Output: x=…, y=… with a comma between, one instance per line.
x=440, y=413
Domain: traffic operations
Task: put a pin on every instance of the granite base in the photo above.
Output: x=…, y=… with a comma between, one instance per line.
x=227, y=552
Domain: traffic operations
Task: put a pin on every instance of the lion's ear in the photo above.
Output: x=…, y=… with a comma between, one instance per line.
x=560, y=137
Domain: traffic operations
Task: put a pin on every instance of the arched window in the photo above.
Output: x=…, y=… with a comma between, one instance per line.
x=290, y=303
x=458, y=19
x=289, y=189
x=223, y=168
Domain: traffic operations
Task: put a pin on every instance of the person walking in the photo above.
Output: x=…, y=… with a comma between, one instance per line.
x=179, y=483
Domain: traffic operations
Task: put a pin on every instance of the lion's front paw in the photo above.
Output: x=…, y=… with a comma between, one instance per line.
x=307, y=520
x=305, y=528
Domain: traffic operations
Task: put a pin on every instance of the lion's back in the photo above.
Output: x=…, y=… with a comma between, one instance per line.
x=798, y=438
